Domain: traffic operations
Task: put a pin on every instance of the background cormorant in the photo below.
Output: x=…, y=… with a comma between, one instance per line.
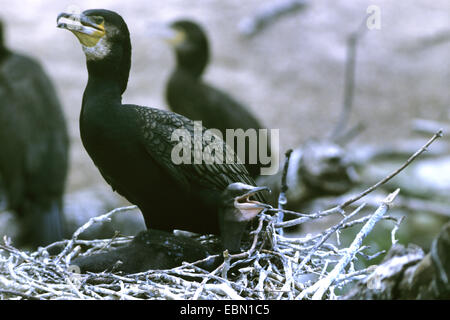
x=189, y=95
x=33, y=147
x=132, y=147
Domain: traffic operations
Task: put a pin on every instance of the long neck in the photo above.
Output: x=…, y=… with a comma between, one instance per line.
x=108, y=78
x=114, y=68
x=101, y=104
x=193, y=62
x=102, y=92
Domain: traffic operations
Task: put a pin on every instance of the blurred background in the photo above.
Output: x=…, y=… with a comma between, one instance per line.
x=290, y=74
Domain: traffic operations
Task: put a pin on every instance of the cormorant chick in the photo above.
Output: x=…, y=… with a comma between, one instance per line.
x=189, y=95
x=33, y=148
x=133, y=146
x=149, y=250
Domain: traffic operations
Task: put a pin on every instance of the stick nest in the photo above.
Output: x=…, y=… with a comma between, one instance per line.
x=274, y=267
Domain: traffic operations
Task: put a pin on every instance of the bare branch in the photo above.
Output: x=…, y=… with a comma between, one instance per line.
x=284, y=188
x=268, y=14
x=102, y=218
x=349, y=83
x=340, y=207
x=322, y=285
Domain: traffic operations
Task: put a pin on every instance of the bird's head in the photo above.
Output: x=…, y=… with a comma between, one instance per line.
x=238, y=207
x=105, y=40
x=187, y=36
x=98, y=30
x=190, y=44
x=239, y=203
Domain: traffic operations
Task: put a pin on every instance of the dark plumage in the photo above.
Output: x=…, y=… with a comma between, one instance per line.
x=150, y=249
x=155, y=249
x=131, y=145
x=33, y=147
x=189, y=95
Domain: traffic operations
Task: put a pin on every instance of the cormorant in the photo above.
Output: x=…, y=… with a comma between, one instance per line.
x=187, y=94
x=33, y=147
x=132, y=145
x=149, y=250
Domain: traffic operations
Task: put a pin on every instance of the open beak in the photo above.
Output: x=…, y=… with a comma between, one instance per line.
x=89, y=30
x=248, y=207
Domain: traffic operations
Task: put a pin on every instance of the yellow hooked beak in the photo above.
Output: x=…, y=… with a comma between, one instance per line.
x=176, y=38
x=167, y=33
x=88, y=29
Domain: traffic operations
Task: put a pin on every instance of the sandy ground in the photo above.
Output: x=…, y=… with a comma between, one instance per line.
x=290, y=75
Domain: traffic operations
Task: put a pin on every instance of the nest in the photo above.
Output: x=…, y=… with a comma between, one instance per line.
x=274, y=266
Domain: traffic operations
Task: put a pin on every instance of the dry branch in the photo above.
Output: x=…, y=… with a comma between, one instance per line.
x=339, y=208
x=268, y=14
x=349, y=85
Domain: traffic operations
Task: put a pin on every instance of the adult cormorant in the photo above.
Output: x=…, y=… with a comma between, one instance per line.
x=132, y=145
x=33, y=147
x=189, y=95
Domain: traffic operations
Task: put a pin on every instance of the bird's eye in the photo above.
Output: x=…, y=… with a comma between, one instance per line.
x=98, y=19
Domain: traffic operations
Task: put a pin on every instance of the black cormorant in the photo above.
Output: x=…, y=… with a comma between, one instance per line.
x=189, y=95
x=132, y=145
x=33, y=147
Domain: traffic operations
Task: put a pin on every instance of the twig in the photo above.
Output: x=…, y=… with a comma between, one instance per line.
x=349, y=83
x=249, y=26
x=224, y=288
x=320, y=287
x=282, y=200
x=19, y=294
x=83, y=228
x=393, y=174
x=395, y=229
x=202, y=285
x=327, y=234
x=340, y=207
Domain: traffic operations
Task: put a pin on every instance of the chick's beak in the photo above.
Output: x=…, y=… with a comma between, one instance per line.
x=250, y=208
x=88, y=30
